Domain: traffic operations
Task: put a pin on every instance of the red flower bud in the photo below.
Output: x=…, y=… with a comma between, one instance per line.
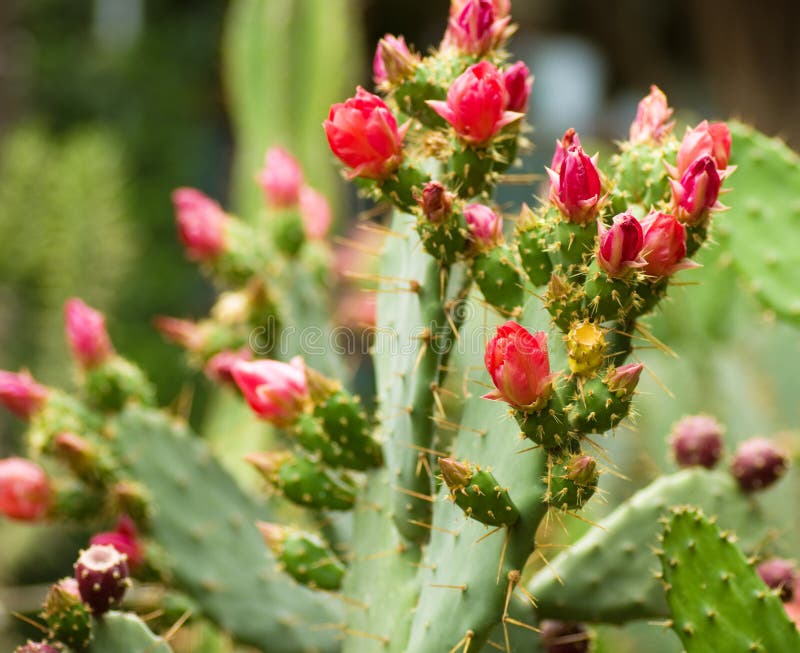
x=620, y=245
x=707, y=139
x=125, y=539
x=485, y=226
x=475, y=28
x=393, y=61
x=652, y=123
x=502, y=8
x=20, y=394
x=436, y=201
x=697, y=191
x=24, y=490
x=281, y=178
x=519, y=365
x=519, y=83
x=363, y=133
x=576, y=187
x=476, y=104
x=277, y=392
x=315, y=213
x=569, y=139
x=664, y=245
x=185, y=333
x=86, y=333
x=201, y=224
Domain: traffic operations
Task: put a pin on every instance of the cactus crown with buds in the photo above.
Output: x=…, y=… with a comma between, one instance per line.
x=502, y=357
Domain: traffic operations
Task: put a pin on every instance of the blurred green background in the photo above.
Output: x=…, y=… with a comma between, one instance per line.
x=107, y=105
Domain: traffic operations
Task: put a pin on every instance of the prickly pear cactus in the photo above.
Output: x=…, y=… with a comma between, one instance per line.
x=415, y=520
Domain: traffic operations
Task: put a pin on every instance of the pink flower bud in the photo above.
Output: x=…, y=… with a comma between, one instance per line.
x=625, y=378
x=475, y=28
x=219, y=367
x=664, y=245
x=20, y=394
x=125, y=539
x=518, y=363
x=652, y=123
x=86, y=333
x=24, y=490
x=280, y=178
x=315, y=213
x=476, y=104
x=707, y=139
x=185, y=333
x=569, y=139
x=519, y=83
x=697, y=191
x=502, y=8
x=576, y=187
x=436, y=202
x=201, y=224
x=363, y=133
x=620, y=245
x=277, y=392
x=485, y=226
x=393, y=61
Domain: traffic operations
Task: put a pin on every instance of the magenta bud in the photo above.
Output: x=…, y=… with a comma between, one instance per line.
x=518, y=83
x=201, y=224
x=778, y=574
x=436, y=202
x=757, y=464
x=102, y=575
x=697, y=441
x=697, y=191
x=664, y=248
x=281, y=178
x=393, y=61
x=485, y=226
x=564, y=637
x=624, y=379
x=315, y=212
x=86, y=333
x=20, y=394
x=219, y=367
x=185, y=333
x=569, y=139
x=652, y=123
x=707, y=139
x=575, y=188
x=25, y=493
x=620, y=245
x=475, y=26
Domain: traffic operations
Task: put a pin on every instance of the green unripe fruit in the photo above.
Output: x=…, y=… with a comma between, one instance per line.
x=287, y=232
x=471, y=169
x=445, y=240
x=304, y=556
x=548, y=426
x=68, y=618
x=531, y=239
x=641, y=176
x=572, y=246
x=116, y=382
x=564, y=301
x=572, y=482
x=478, y=494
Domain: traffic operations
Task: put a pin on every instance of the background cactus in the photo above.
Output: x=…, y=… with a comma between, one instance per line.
x=416, y=528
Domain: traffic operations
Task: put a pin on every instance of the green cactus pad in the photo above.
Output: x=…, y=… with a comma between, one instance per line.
x=309, y=483
x=760, y=228
x=310, y=561
x=607, y=576
x=717, y=600
x=215, y=552
x=532, y=246
x=497, y=276
x=124, y=632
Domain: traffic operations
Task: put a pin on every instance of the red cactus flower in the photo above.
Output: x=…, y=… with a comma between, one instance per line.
x=698, y=191
x=485, y=226
x=125, y=539
x=475, y=27
x=569, y=139
x=519, y=83
x=476, y=104
x=707, y=139
x=620, y=245
x=20, y=394
x=363, y=133
x=664, y=245
x=652, y=122
x=519, y=365
x=393, y=61
x=575, y=188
